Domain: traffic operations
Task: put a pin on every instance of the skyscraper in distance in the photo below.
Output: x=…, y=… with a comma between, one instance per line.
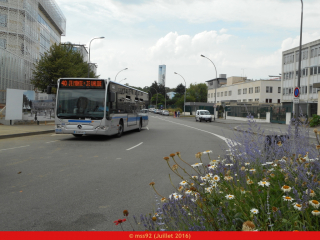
x=162, y=75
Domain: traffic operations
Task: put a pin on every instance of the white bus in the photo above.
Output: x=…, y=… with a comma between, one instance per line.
x=87, y=106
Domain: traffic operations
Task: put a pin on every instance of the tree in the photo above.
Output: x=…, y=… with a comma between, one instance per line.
x=60, y=61
x=180, y=89
x=198, y=91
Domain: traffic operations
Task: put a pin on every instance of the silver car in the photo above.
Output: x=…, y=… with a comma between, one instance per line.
x=165, y=112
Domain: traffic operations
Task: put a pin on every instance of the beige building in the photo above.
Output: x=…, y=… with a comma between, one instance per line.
x=27, y=29
x=240, y=89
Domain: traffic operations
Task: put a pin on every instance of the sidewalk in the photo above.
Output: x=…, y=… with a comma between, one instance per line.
x=7, y=131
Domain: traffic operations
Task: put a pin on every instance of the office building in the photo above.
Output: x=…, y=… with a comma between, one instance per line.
x=27, y=29
x=310, y=74
x=162, y=75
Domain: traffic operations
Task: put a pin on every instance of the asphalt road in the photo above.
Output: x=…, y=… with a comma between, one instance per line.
x=61, y=183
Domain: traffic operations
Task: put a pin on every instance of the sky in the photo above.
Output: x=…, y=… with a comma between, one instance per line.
x=241, y=37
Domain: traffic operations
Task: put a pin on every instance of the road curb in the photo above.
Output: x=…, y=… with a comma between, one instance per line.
x=26, y=134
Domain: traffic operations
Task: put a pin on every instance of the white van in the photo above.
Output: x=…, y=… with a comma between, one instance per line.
x=203, y=115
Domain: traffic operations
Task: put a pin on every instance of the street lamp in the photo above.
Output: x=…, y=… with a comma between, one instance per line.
x=122, y=80
x=157, y=97
x=115, y=79
x=89, y=53
x=150, y=98
x=185, y=87
x=299, y=68
x=215, y=89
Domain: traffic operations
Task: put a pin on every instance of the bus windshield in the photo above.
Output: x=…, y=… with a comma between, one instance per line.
x=80, y=103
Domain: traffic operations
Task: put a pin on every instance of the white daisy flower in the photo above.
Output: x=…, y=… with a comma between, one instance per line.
x=287, y=198
x=274, y=165
x=228, y=178
x=286, y=188
x=271, y=170
x=209, y=175
x=216, y=178
x=212, y=167
x=183, y=183
x=208, y=189
x=312, y=193
x=208, y=151
x=196, y=165
x=213, y=183
x=269, y=163
x=314, y=203
x=172, y=195
x=177, y=197
x=249, y=182
x=188, y=192
x=297, y=206
x=180, y=188
x=264, y=184
x=229, y=164
x=194, y=177
x=229, y=197
x=263, y=164
x=254, y=211
x=308, y=173
x=247, y=163
x=204, y=178
x=252, y=170
x=315, y=212
x=202, y=184
x=214, y=162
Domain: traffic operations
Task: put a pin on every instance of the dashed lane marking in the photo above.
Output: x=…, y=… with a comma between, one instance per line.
x=53, y=141
x=14, y=148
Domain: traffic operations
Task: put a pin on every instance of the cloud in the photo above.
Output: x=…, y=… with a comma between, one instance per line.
x=175, y=46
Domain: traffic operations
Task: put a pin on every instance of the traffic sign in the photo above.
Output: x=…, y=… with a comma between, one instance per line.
x=296, y=92
x=296, y=100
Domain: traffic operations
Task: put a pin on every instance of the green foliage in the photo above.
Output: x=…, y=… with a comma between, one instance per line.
x=180, y=102
x=60, y=61
x=180, y=89
x=198, y=91
x=315, y=120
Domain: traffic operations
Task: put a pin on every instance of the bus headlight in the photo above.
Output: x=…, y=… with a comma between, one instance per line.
x=101, y=128
x=58, y=125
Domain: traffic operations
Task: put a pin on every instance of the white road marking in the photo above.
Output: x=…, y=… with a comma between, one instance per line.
x=53, y=141
x=134, y=146
x=14, y=148
x=147, y=128
x=228, y=141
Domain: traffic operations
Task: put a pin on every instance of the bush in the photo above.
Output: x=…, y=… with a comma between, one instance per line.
x=315, y=120
x=257, y=185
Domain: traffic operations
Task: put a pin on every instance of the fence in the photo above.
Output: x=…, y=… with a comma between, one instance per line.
x=244, y=111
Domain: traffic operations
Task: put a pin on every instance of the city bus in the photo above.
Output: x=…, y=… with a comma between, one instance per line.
x=89, y=106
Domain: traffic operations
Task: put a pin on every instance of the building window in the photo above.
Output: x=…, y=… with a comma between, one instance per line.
x=244, y=100
x=289, y=91
x=256, y=100
x=245, y=91
x=268, y=100
x=3, y=20
x=239, y=91
x=239, y=100
x=278, y=100
x=211, y=95
x=221, y=94
x=3, y=43
x=250, y=100
x=257, y=89
x=268, y=89
x=310, y=89
x=279, y=89
x=218, y=94
x=251, y=90
x=208, y=95
x=226, y=93
x=230, y=93
x=315, y=70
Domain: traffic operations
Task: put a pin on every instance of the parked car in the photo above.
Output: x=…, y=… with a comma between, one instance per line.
x=203, y=115
x=165, y=113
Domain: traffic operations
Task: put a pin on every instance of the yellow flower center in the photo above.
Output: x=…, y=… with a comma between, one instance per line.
x=315, y=202
x=288, y=198
x=298, y=205
x=264, y=182
x=315, y=211
x=285, y=187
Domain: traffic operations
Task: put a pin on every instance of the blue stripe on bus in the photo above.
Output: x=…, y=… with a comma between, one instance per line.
x=81, y=121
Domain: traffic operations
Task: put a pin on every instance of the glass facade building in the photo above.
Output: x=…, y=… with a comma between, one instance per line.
x=162, y=75
x=27, y=29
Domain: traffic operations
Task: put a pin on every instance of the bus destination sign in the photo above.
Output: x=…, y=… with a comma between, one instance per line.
x=74, y=83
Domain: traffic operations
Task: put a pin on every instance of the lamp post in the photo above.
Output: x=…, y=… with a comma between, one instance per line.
x=215, y=89
x=122, y=80
x=115, y=79
x=299, y=68
x=150, y=98
x=89, y=53
x=185, y=87
x=157, y=97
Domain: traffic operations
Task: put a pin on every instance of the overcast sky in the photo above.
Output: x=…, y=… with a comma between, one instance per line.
x=241, y=37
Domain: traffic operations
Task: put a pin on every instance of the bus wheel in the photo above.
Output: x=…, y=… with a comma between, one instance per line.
x=77, y=135
x=120, y=129
x=140, y=126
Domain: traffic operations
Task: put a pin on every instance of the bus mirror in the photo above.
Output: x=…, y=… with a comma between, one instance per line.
x=49, y=88
x=112, y=97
